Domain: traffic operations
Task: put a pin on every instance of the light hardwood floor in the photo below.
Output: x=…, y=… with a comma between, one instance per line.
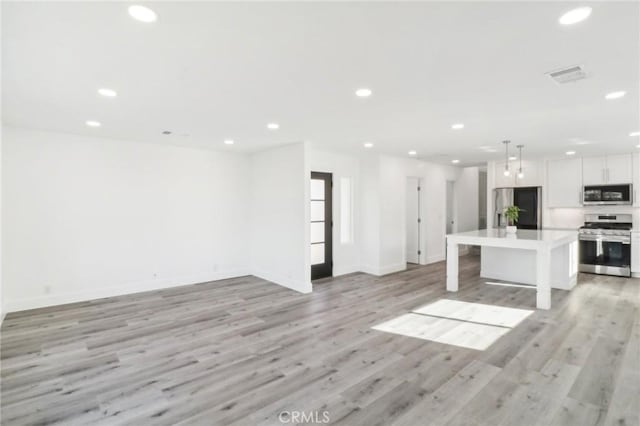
x=241, y=351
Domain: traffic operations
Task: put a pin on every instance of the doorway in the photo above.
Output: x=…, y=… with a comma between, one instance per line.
x=321, y=214
x=413, y=220
x=450, y=205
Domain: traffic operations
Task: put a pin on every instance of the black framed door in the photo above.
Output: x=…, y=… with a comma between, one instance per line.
x=321, y=225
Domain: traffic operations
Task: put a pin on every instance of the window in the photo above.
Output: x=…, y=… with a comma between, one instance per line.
x=346, y=210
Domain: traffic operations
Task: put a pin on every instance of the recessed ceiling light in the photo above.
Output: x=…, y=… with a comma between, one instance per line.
x=109, y=93
x=455, y=161
x=273, y=126
x=368, y=145
x=364, y=92
x=632, y=134
x=92, y=123
x=413, y=152
x=229, y=142
x=615, y=95
x=575, y=15
x=570, y=152
x=143, y=14
x=513, y=158
x=457, y=126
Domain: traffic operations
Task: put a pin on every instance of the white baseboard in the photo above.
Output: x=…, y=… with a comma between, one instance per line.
x=383, y=270
x=299, y=286
x=64, y=298
x=434, y=258
x=345, y=270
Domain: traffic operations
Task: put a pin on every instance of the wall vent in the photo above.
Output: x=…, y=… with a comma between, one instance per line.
x=567, y=75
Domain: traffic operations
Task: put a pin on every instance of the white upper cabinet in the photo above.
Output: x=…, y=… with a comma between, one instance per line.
x=594, y=170
x=620, y=168
x=530, y=169
x=611, y=169
x=503, y=181
x=564, y=183
x=531, y=175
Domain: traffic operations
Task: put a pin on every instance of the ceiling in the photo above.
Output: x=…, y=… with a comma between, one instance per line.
x=215, y=71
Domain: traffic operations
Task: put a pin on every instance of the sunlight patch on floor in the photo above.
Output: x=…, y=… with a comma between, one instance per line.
x=475, y=312
x=453, y=322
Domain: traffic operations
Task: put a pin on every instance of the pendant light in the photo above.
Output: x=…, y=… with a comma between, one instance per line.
x=507, y=172
x=520, y=172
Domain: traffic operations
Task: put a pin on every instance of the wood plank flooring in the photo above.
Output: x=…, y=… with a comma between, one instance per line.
x=242, y=351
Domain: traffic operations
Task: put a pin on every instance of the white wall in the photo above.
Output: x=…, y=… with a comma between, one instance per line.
x=88, y=217
x=383, y=226
x=2, y=308
x=393, y=234
x=433, y=199
x=280, y=216
x=346, y=256
x=466, y=199
x=368, y=224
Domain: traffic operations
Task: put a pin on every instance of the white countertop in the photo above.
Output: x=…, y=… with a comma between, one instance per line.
x=523, y=238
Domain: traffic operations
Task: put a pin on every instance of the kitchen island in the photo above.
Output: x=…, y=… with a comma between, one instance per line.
x=542, y=258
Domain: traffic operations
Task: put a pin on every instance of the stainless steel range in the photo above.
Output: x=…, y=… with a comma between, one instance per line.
x=605, y=244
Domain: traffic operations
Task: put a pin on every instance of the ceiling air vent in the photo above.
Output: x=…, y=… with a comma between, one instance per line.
x=567, y=75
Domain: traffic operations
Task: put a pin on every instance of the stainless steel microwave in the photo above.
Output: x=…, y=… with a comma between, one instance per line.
x=599, y=195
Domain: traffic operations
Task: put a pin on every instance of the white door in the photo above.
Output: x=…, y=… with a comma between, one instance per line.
x=450, y=213
x=619, y=169
x=593, y=170
x=413, y=220
x=564, y=183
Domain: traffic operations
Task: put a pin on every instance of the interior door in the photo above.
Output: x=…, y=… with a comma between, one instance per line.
x=413, y=220
x=449, y=207
x=321, y=225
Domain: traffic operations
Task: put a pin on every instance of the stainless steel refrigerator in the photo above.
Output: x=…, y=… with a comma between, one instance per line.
x=529, y=199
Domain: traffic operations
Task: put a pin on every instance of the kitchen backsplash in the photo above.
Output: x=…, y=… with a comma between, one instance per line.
x=574, y=218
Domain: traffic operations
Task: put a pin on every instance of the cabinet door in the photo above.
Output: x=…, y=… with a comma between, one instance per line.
x=619, y=168
x=636, y=179
x=530, y=171
x=593, y=170
x=635, y=252
x=503, y=181
x=564, y=183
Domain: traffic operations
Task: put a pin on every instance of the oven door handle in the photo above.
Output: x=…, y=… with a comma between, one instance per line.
x=623, y=240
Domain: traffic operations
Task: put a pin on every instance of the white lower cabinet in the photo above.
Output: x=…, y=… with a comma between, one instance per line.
x=635, y=254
